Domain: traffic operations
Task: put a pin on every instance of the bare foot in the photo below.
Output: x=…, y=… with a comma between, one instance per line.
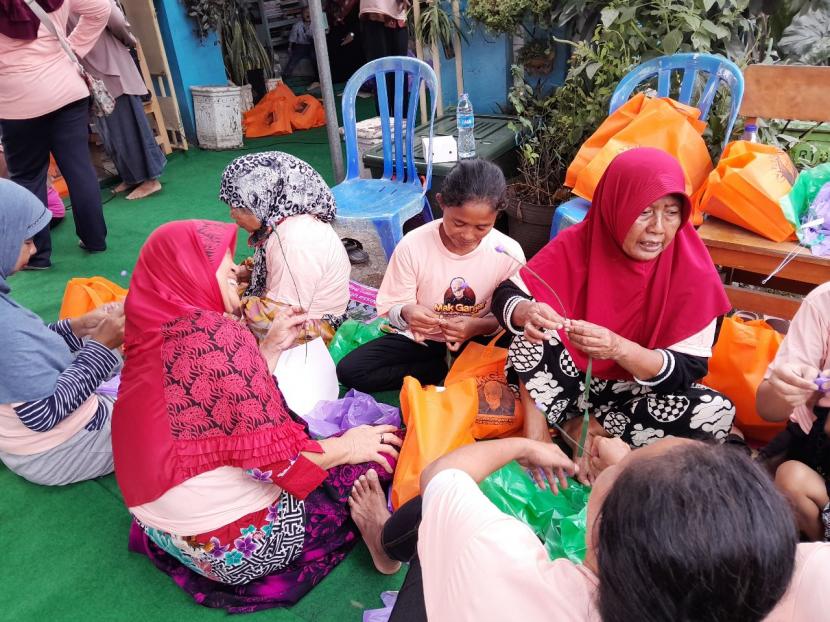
x=122, y=187
x=144, y=190
x=368, y=506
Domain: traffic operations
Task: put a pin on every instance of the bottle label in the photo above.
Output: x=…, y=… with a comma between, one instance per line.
x=466, y=121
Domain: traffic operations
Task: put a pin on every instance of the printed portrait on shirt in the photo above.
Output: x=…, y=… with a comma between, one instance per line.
x=495, y=398
x=459, y=299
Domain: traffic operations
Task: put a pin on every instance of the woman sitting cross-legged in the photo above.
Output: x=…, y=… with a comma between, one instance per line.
x=794, y=388
x=54, y=427
x=640, y=296
x=437, y=289
x=230, y=496
x=679, y=530
x=287, y=209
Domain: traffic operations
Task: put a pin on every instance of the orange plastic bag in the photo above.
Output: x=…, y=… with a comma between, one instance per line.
x=500, y=412
x=85, y=294
x=643, y=122
x=308, y=113
x=438, y=420
x=272, y=114
x=746, y=187
x=739, y=361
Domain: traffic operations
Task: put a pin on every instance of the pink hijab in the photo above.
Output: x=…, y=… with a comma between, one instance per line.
x=656, y=303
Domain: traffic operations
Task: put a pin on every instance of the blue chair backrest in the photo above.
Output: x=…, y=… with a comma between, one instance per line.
x=400, y=161
x=715, y=70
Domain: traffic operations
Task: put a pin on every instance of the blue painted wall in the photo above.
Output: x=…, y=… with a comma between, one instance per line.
x=485, y=57
x=192, y=62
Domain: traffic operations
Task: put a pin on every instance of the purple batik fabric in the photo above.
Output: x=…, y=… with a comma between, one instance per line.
x=330, y=534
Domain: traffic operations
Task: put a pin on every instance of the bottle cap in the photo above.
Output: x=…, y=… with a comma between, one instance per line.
x=750, y=127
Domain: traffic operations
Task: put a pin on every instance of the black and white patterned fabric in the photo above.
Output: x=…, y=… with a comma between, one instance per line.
x=637, y=413
x=258, y=552
x=274, y=186
x=93, y=364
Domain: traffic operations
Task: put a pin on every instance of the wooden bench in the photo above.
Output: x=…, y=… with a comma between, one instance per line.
x=771, y=92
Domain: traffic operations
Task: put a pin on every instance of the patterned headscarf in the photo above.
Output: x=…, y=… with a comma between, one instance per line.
x=274, y=186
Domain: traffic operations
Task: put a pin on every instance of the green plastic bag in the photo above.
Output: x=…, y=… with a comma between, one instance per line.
x=558, y=520
x=796, y=204
x=353, y=334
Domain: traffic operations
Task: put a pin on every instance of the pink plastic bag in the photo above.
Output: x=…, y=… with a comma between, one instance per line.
x=54, y=203
x=354, y=409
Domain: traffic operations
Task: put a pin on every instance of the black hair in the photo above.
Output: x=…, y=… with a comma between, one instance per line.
x=474, y=179
x=697, y=534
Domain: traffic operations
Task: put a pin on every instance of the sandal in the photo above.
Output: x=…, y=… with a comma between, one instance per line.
x=354, y=250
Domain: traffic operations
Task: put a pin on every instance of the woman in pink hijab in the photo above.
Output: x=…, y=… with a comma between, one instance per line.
x=639, y=297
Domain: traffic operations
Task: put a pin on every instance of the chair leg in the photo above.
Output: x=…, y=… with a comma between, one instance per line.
x=427, y=211
x=390, y=232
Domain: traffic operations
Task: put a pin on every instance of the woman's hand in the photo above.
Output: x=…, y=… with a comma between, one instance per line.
x=368, y=443
x=84, y=325
x=243, y=273
x=109, y=332
x=546, y=462
x=284, y=330
x=573, y=428
x=421, y=321
x=607, y=452
x=537, y=319
x=457, y=330
x=595, y=341
x=794, y=382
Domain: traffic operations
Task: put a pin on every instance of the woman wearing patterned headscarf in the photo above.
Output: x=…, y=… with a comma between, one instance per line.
x=299, y=260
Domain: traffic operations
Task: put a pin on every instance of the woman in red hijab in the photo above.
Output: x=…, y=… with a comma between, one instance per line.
x=229, y=494
x=638, y=294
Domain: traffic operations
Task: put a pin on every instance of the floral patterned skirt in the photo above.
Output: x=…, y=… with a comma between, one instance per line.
x=269, y=565
x=625, y=409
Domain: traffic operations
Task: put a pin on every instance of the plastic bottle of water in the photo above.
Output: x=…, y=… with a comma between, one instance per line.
x=750, y=133
x=465, y=122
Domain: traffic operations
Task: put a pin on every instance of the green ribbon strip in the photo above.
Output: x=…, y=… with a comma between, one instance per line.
x=586, y=417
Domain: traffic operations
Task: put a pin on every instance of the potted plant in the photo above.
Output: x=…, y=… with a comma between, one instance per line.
x=247, y=63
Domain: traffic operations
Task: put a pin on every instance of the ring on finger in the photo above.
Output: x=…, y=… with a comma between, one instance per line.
x=381, y=440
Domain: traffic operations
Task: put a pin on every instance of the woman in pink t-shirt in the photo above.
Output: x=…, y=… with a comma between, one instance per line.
x=44, y=108
x=795, y=388
x=678, y=530
x=439, y=284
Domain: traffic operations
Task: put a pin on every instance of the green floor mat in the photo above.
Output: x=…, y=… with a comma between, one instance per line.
x=66, y=548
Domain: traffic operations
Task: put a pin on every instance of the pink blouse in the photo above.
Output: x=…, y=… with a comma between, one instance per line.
x=37, y=77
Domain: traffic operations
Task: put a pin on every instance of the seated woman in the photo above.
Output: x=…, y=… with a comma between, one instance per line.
x=54, y=427
x=229, y=494
x=679, y=530
x=791, y=390
x=639, y=296
x=299, y=261
x=437, y=289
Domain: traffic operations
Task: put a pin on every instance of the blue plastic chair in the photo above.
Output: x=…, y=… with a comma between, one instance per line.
x=400, y=194
x=717, y=70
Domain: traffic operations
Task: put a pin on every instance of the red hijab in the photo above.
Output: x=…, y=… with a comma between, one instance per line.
x=656, y=303
x=195, y=392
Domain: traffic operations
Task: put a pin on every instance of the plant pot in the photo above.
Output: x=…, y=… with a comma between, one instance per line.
x=218, y=117
x=540, y=65
x=527, y=222
x=246, y=98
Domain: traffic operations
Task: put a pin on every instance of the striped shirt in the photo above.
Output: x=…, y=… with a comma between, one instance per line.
x=93, y=364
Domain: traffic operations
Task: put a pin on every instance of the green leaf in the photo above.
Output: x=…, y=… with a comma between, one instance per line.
x=672, y=41
x=609, y=15
x=708, y=4
x=591, y=70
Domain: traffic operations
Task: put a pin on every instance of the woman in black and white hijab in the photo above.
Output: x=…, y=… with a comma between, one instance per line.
x=299, y=260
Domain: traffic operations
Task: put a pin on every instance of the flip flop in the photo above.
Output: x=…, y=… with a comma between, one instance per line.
x=354, y=250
